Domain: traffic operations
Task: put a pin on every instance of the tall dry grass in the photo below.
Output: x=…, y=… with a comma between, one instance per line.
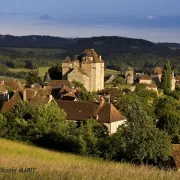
x=52, y=165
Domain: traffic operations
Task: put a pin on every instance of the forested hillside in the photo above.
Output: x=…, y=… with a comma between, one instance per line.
x=117, y=52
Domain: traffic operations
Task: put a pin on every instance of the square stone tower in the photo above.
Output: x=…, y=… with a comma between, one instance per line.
x=89, y=64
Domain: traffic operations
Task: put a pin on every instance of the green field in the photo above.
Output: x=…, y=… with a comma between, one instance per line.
x=53, y=165
x=42, y=70
x=110, y=71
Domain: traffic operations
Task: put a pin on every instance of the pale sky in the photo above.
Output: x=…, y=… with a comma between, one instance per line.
x=155, y=20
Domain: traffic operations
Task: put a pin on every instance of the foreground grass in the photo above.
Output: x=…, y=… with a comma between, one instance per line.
x=53, y=165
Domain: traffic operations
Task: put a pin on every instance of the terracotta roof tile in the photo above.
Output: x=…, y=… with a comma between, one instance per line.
x=158, y=70
x=3, y=89
x=92, y=53
x=145, y=77
x=81, y=111
x=7, y=106
x=14, y=84
x=59, y=83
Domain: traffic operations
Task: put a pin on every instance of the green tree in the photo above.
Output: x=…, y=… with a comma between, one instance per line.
x=166, y=77
x=167, y=112
x=32, y=77
x=91, y=135
x=3, y=126
x=139, y=140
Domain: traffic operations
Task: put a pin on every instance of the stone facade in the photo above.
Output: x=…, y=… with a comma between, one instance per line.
x=129, y=76
x=88, y=69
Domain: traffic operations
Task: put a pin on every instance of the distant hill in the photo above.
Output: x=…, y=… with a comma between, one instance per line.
x=137, y=53
x=53, y=165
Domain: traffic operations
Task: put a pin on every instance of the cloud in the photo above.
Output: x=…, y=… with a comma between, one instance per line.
x=45, y=17
x=150, y=17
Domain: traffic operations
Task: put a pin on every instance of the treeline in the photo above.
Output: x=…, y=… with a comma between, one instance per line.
x=4, y=71
x=138, y=53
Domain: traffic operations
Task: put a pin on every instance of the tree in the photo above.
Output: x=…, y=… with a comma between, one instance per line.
x=83, y=94
x=166, y=77
x=32, y=77
x=139, y=140
x=167, y=112
x=91, y=134
x=3, y=126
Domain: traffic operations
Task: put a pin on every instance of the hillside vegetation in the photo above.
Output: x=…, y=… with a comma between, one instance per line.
x=116, y=51
x=53, y=165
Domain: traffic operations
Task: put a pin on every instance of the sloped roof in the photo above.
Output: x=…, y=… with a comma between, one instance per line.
x=59, y=83
x=14, y=84
x=81, y=111
x=145, y=77
x=7, y=106
x=92, y=53
x=67, y=60
x=3, y=89
x=177, y=78
x=158, y=70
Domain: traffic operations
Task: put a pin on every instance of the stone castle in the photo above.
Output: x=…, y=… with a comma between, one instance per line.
x=87, y=68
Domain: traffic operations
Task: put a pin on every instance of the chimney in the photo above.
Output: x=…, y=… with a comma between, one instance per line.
x=24, y=95
x=100, y=58
x=172, y=73
x=101, y=103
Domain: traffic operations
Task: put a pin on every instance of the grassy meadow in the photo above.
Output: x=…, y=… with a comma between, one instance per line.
x=42, y=70
x=110, y=71
x=53, y=165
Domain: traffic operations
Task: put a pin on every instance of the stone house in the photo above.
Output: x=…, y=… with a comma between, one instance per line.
x=145, y=79
x=129, y=76
x=87, y=68
x=103, y=112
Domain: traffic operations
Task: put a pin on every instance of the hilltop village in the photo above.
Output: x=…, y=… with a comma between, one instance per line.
x=88, y=70
x=87, y=110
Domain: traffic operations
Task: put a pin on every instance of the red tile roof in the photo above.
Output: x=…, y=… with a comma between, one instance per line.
x=92, y=53
x=81, y=111
x=59, y=83
x=145, y=77
x=158, y=70
x=7, y=106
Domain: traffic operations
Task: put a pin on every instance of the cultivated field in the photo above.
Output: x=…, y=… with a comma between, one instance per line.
x=52, y=165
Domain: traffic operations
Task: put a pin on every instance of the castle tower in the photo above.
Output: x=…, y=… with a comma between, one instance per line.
x=129, y=76
x=94, y=66
x=66, y=67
